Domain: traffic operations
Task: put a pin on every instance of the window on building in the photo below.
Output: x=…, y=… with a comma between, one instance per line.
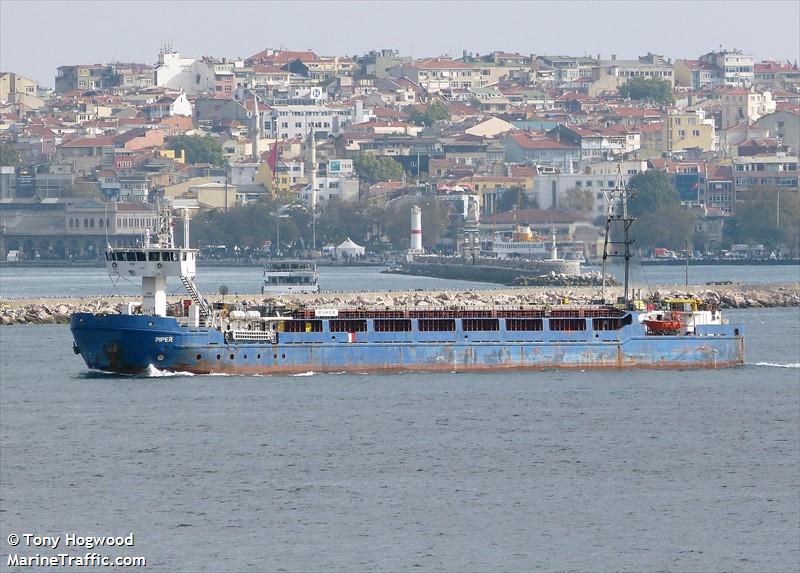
x=696, y=133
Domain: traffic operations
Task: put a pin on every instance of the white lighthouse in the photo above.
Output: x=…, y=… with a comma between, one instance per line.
x=416, y=230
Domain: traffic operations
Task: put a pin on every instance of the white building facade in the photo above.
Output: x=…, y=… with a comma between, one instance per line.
x=290, y=121
x=191, y=75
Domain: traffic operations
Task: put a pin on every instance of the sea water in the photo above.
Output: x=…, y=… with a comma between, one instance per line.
x=523, y=471
x=247, y=280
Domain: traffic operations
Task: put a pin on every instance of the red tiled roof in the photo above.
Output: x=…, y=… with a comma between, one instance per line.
x=532, y=142
x=89, y=142
x=284, y=57
x=257, y=69
x=698, y=65
x=461, y=109
x=788, y=107
x=386, y=113
x=769, y=66
x=522, y=171
x=720, y=173
x=650, y=127
x=440, y=64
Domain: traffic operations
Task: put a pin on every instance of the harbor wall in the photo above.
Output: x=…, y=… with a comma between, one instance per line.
x=58, y=310
x=502, y=271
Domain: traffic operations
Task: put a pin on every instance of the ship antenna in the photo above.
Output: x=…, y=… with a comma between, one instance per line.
x=105, y=223
x=618, y=213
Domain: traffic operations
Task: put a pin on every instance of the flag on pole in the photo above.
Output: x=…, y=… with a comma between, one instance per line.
x=272, y=160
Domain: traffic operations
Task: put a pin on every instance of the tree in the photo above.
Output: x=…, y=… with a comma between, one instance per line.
x=670, y=226
x=757, y=217
x=435, y=111
x=361, y=222
x=435, y=219
x=661, y=221
x=372, y=168
x=84, y=189
x=198, y=149
x=580, y=200
x=250, y=227
x=653, y=190
x=643, y=88
x=515, y=198
x=8, y=155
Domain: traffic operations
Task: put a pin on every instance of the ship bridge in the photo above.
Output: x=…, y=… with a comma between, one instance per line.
x=154, y=262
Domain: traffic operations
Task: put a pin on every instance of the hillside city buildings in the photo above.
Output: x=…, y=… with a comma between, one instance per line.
x=94, y=155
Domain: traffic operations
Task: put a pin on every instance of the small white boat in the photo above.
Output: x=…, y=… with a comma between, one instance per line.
x=288, y=277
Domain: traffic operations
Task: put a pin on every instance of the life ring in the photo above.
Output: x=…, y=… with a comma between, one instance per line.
x=114, y=265
x=159, y=265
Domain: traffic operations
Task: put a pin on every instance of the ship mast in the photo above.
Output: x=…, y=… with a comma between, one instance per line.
x=618, y=217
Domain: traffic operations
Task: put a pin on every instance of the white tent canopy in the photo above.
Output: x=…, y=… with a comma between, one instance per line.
x=348, y=248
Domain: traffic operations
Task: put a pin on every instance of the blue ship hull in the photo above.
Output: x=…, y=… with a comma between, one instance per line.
x=133, y=343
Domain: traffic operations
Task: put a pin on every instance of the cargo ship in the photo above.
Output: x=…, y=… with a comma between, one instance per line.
x=198, y=337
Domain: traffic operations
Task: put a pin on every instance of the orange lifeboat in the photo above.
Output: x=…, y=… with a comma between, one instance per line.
x=663, y=326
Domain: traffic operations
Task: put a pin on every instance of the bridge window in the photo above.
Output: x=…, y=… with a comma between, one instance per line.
x=358, y=325
x=384, y=325
x=152, y=256
x=140, y=256
x=91, y=223
x=524, y=324
x=130, y=255
x=480, y=324
x=436, y=325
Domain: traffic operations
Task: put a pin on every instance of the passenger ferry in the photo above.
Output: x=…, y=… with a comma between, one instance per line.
x=194, y=336
x=289, y=277
x=521, y=243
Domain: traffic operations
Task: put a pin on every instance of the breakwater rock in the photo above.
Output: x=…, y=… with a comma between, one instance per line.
x=58, y=311
x=41, y=312
x=591, y=278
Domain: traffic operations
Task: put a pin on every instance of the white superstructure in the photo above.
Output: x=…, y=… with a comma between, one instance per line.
x=290, y=277
x=153, y=262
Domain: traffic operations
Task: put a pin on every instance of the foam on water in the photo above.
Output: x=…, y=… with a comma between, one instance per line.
x=309, y=373
x=776, y=365
x=153, y=372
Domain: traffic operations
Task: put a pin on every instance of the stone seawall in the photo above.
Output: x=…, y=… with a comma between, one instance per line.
x=502, y=271
x=59, y=310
